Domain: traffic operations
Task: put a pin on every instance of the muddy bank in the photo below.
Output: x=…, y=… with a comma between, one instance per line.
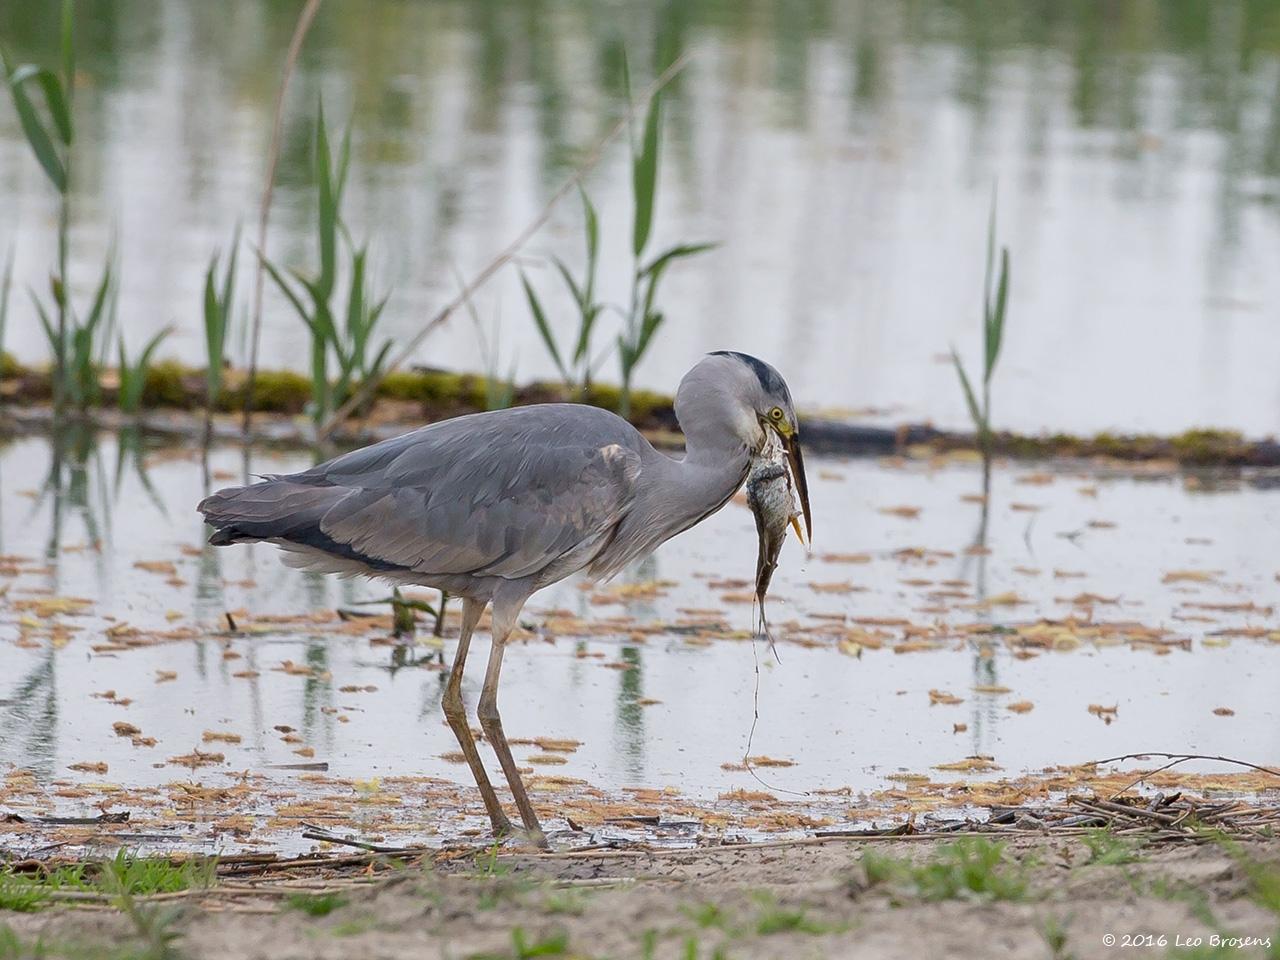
x=886, y=899
x=173, y=402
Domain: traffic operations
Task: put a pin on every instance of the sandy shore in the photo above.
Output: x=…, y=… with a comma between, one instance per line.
x=828, y=898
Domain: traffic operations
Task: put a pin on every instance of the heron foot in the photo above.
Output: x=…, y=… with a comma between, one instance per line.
x=532, y=838
x=502, y=827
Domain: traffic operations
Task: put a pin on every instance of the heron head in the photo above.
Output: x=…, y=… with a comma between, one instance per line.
x=757, y=402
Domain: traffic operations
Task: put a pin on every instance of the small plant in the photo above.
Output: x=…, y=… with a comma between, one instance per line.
x=133, y=377
x=553, y=946
x=1054, y=934
x=1106, y=849
x=144, y=876
x=994, y=303
x=643, y=317
x=777, y=919
x=75, y=343
x=315, y=905
x=403, y=610
x=707, y=915
x=570, y=902
x=575, y=368
x=217, y=322
x=352, y=344
x=13, y=948
x=21, y=894
x=971, y=868
x=50, y=134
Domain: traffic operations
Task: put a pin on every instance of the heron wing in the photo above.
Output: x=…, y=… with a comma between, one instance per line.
x=501, y=494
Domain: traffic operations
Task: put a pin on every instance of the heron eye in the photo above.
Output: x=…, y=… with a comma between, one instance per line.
x=776, y=413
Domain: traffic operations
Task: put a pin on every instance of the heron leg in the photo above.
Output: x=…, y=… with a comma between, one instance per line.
x=491, y=723
x=456, y=715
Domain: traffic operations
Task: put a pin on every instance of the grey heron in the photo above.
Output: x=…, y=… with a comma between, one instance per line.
x=494, y=506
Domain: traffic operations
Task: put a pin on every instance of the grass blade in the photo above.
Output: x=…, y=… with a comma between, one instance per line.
x=34, y=129
x=68, y=48
x=287, y=290
x=58, y=108
x=215, y=332
x=593, y=242
x=327, y=206
x=660, y=262
x=540, y=319
x=995, y=325
x=975, y=412
x=645, y=176
x=6, y=284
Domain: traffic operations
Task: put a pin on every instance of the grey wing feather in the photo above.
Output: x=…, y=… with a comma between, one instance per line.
x=504, y=494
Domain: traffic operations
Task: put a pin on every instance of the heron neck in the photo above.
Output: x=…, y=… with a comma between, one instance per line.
x=712, y=470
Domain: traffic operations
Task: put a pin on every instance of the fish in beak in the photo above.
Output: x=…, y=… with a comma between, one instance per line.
x=791, y=444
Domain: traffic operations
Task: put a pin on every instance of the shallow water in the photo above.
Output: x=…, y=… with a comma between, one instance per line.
x=843, y=155
x=655, y=699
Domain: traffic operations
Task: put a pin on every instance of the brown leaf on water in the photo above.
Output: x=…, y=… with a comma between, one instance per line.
x=845, y=558
x=1035, y=479
x=915, y=646
x=246, y=674
x=975, y=764
x=1020, y=706
x=307, y=752
x=45, y=607
x=1026, y=507
x=1106, y=714
x=163, y=567
x=941, y=696
x=88, y=766
x=557, y=745
x=905, y=512
x=763, y=761
x=164, y=676
x=1006, y=599
x=748, y=796
x=990, y=688
x=1102, y=524
x=453, y=756
x=959, y=727
x=1224, y=712
x=197, y=758
x=841, y=587
x=220, y=736
x=547, y=759
x=1191, y=576
x=123, y=729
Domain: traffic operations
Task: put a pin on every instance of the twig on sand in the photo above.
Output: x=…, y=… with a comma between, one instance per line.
x=312, y=832
x=305, y=19
x=469, y=289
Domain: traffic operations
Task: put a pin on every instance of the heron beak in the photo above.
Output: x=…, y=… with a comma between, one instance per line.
x=796, y=459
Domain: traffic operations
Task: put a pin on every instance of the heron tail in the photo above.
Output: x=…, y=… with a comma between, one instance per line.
x=275, y=509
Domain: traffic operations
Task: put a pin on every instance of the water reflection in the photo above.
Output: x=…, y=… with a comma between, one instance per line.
x=842, y=150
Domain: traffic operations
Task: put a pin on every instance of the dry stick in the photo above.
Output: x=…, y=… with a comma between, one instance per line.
x=1177, y=758
x=305, y=18
x=493, y=266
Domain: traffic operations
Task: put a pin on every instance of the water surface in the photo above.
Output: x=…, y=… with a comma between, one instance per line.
x=841, y=153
